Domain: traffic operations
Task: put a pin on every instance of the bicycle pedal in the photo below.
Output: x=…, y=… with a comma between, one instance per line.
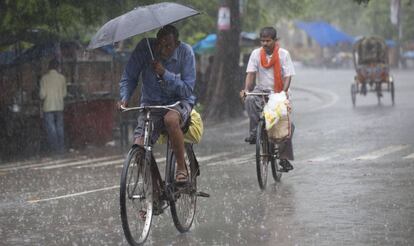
x=282, y=170
x=203, y=194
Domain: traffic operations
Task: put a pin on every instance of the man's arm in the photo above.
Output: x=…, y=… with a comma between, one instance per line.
x=42, y=92
x=288, y=71
x=183, y=84
x=286, y=83
x=129, y=79
x=65, y=91
x=249, y=83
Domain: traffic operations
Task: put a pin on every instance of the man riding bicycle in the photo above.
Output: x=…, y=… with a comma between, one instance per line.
x=166, y=79
x=274, y=69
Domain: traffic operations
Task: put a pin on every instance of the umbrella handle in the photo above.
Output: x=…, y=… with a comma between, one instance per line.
x=149, y=47
x=159, y=79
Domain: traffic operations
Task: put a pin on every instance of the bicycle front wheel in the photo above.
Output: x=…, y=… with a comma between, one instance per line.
x=136, y=196
x=183, y=199
x=262, y=154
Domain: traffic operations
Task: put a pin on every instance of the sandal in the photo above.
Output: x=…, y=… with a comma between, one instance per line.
x=181, y=176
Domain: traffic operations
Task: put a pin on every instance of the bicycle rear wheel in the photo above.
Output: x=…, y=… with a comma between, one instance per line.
x=183, y=198
x=136, y=196
x=262, y=154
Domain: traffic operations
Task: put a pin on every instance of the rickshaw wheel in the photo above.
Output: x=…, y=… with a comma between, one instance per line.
x=353, y=93
x=378, y=89
x=392, y=92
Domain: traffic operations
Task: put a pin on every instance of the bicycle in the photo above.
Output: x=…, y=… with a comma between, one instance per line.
x=143, y=192
x=266, y=151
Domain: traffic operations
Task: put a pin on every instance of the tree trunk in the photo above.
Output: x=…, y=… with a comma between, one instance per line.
x=225, y=78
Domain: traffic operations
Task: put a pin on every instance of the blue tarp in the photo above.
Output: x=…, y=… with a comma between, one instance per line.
x=324, y=34
x=208, y=44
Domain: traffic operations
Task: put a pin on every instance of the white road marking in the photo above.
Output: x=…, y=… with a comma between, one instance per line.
x=382, y=152
x=102, y=164
x=199, y=159
x=333, y=97
x=108, y=163
x=411, y=156
x=73, y=194
x=210, y=157
x=239, y=160
x=320, y=159
x=77, y=163
x=37, y=163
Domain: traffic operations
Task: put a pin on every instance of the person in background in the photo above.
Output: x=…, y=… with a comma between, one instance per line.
x=272, y=68
x=52, y=94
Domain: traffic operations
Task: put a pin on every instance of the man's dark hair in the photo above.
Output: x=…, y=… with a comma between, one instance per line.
x=268, y=32
x=53, y=64
x=167, y=30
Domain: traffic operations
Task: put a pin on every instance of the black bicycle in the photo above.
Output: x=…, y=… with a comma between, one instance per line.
x=266, y=151
x=143, y=192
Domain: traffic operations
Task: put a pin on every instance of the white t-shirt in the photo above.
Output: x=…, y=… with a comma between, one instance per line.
x=265, y=76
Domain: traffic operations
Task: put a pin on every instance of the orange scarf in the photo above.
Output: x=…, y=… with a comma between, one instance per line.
x=275, y=63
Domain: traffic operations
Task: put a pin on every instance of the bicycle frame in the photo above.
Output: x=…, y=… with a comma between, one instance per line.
x=265, y=148
x=147, y=145
x=180, y=197
x=163, y=192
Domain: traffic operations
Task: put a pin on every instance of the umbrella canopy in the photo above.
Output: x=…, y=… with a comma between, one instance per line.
x=140, y=20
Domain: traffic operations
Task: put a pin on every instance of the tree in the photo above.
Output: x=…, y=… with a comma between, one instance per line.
x=224, y=82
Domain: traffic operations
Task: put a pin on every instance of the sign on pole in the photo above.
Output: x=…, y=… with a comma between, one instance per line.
x=395, y=11
x=223, y=22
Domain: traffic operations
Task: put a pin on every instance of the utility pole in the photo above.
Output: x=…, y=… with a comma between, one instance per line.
x=225, y=80
x=395, y=17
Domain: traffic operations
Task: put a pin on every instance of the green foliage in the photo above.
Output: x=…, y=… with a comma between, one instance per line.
x=261, y=13
x=71, y=19
x=362, y=1
x=67, y=18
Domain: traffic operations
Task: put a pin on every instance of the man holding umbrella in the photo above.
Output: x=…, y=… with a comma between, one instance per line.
x=167, y=67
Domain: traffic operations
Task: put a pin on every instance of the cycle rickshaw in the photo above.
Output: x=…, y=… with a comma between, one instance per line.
x=370, y=57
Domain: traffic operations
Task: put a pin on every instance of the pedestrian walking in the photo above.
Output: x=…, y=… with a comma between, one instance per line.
x=52, y=93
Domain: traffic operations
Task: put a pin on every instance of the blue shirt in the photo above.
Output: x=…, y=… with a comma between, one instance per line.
x=179, y=76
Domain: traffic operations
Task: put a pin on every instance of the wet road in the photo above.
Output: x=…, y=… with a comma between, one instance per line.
x=353, y=182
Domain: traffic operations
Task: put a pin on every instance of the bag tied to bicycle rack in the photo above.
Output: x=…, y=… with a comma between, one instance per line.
x=194, y=132
x=276, y=114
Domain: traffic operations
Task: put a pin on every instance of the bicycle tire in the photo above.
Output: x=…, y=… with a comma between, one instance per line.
x=136, y=197
x=183, y=199
x=274, y=163
x=262, y=154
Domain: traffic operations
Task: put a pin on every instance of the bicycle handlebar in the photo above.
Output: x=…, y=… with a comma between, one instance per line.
x=258, y=93
x=125, y=109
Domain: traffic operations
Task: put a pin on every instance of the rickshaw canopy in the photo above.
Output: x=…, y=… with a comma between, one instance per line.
x=369, y=50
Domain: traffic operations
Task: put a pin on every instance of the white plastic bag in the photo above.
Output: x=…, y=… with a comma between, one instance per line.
x=275, y=109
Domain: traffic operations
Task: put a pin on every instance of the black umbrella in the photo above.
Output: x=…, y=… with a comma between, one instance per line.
x=140, y=20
